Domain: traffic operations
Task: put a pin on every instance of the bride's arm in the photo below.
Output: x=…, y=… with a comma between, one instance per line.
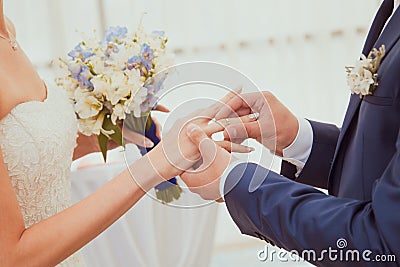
x=54, y=239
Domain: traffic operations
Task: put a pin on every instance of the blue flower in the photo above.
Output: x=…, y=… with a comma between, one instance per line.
x=84, y=77
x=111, y=48
x=114, y=34
x=147, y=56
x=149, y=103
x=134, y=63
x=159, y=84
x=75, y=69
x=153, y=101
x=144, y=60
x=81, y=73
x=144, y=107
x=80, y=52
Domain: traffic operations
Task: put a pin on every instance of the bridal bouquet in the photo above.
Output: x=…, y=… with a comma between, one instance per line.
x=114, y=81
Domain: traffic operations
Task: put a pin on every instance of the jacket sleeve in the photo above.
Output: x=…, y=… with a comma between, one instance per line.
x=318, y=165
x=299, y=217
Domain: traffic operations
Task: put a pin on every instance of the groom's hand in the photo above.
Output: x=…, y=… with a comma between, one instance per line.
x=205, y=179
x=176, y=153
x=276, y=127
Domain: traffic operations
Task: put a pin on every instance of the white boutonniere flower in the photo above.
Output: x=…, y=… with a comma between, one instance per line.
x=363, y=78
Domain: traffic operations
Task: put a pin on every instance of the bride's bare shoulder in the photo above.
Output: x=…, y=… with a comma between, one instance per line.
x=10, y=26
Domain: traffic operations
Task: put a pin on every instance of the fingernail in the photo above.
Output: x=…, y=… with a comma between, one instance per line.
x=251, y=149
x=148, y=143
x=192, y=127
x=254, y=115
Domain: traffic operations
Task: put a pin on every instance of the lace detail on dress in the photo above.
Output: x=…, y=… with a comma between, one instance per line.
x=37, y=140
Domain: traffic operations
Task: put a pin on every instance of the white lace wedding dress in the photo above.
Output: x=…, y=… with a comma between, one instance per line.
x=37, y=140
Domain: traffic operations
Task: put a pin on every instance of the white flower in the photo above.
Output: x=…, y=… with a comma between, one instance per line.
x=91, y=125
x=74, y=66
x=135, y=107
x=98, y=64
x=360, y=83
x=137, y=99
x=134, y=80
x=127, y=104
x=119, y=89
x=114, y=87
x=119, y=59
x=100, y=85
x=118, y=113
x=87, y=105
x=360, y=78
x=103, y=84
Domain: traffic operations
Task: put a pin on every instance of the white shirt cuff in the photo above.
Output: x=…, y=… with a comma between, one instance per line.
x=224, y=176
x=299, y=151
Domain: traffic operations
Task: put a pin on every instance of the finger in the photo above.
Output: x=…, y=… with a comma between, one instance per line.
x=211, y=111
x=231, y=106
x=233, y=147
x=137, y=139
x=158, y=127
x=243, y=112
x=230, y=95
x=220, y=125
x=161, y=108
x=242, y=131
x=206, y=146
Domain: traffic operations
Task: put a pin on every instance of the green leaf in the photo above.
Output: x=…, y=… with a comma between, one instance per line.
x=117, y=135
x=168, y=195
x=148, y=122
x=139, y=125
x=103, y=141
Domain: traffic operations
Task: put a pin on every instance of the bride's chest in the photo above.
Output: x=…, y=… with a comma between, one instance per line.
x=38, y=138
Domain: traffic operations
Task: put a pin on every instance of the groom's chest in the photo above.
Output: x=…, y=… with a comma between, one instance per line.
x=369, y=142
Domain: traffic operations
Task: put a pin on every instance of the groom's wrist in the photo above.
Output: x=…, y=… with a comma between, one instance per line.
x=286, y=135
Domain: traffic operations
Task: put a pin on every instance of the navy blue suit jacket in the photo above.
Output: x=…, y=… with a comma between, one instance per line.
x=359, y=164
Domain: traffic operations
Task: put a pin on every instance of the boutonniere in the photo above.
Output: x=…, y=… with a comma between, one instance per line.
x=363, y=78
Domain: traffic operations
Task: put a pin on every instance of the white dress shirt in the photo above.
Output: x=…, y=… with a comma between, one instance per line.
x=299, y=151
x=396, y=5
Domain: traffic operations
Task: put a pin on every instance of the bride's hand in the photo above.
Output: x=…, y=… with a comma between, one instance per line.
x=176, y=153
x=89, y=144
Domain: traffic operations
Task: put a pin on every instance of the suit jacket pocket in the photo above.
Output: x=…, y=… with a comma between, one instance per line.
x=381, y=101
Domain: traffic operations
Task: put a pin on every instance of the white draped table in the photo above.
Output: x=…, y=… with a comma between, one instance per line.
x=150, y=234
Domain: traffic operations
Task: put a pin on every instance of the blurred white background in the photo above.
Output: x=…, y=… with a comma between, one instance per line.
x=296, y=49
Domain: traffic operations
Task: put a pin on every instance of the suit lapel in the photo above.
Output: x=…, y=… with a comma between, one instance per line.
x=382, y=15
x=380, y=19
x=391, y=34
x=389, y=37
